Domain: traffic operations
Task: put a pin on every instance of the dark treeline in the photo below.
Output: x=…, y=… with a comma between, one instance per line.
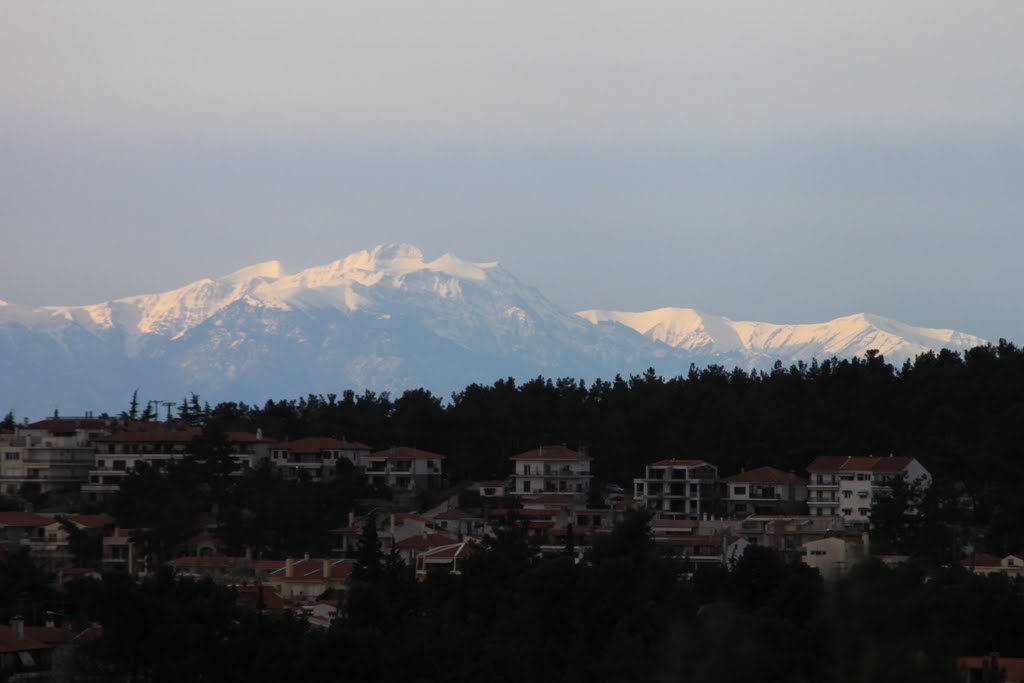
x=961, y=415
x=625, y=613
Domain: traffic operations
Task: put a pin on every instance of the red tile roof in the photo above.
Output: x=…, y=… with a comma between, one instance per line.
x=1014, y=666
x=313, y=570
x=551, y=453
x=246, y=437
x=8, y=643
x=24, y=519
x=765, y=475
x=92, y=521
x=892, y=464
x=316, y=444
x=981, y=560
x=827, y=463
x=404, y=453
x=424, y=541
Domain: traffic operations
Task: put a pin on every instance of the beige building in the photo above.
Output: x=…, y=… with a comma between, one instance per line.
x=552, y=469
x=50, y=455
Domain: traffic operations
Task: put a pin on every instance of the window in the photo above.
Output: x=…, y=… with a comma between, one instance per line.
x=863, y=476
x=818, y=552
x=739, y=490
x=526, y=469
x=526, y=486
x=847, y=511
x=863, y=512
x=12, y=455
x=847, y=494
x=101, y=463
x=741, y=507
x=846, y=477
x=863, y=494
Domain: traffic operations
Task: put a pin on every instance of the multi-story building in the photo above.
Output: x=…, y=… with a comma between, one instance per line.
x=678, y=489
x=405, y=468
x=551, y=469
x=764, y=491
x=315, y=458
x=846, y=486
x=51, y=455
x=155, y=444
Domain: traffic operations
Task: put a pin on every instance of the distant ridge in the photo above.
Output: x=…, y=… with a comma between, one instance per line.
x=384, y=319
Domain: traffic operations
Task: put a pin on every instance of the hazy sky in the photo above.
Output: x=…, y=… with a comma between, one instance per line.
x=785, y=161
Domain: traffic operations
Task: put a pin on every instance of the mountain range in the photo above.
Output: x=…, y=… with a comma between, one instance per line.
x=385, y=319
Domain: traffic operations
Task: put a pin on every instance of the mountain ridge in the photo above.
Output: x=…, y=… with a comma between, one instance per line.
x=383, y=319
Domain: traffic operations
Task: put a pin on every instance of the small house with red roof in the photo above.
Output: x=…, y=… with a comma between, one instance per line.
x=983, y=563
x=305, y=580
x=315, y=458
x=552, y=469
x=764, y=491
x=405, y=469
x=677, y=488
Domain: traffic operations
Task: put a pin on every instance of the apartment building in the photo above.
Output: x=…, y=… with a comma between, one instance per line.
x=403, y=468
x=551, y=469
x=678, y=489
x=315, y=458
x=846, y=486
x=764, y=491
x=50, y=455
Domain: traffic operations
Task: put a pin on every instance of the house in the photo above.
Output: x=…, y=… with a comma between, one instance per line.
x=408, y=469
x=458, y=522
x=315, y=458
x=723, y=549
x=847, y=486
x=983, y=563
x=307, y=579
x=788, y=534
x=411, y=547
x=120, y=552
x=443, y=558
x=678, y=489
x=551, y=469
x=833, y=557
x=50, y=455
x=50, y=545
x=17, y=526
x=765, y=491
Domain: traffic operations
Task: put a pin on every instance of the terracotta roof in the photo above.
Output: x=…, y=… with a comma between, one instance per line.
x=424, y=541
x=267, y=565
x=24, y=519
x=245, y=437
x=674, y=462
x=67, y=424
x=49, y=634
x=316, y=444
x=892, y=464
x=313, y=569
x=765, y=475
x=203, y=562
x=9, y=644
x=827, y=463
x=551, y=453
x=247, y=597
x=404, y=453
x=92, y=521
x=981, y=560
x=403, y=516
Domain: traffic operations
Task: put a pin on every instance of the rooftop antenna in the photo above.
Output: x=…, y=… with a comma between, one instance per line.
x=169, y=405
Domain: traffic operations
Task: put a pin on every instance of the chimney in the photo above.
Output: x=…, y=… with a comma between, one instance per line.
x=352, y=518
x=259, y=434
x=288, y=568
x=327, y=569
x=305, y=557
x=18, y=627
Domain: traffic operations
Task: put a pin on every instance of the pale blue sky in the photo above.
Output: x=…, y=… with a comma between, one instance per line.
x=788, y=161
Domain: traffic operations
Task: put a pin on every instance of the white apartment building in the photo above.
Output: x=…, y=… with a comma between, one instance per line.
x=846, y=486
x=50, y=455
x=764, y=491
x=551, y=469
x=678, y=489
x=315, y=457
x=403, y=468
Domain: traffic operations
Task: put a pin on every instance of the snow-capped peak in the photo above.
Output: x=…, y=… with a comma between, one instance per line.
x=852, y=335
x=268, y=270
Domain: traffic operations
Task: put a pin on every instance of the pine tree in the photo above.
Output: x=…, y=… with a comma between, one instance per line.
x=8, y=421
x=369, y=566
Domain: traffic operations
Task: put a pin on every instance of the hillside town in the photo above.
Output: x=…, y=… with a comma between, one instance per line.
x=697, y=515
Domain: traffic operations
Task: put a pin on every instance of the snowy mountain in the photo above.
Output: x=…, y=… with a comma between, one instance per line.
x=385, y=319
x=764, y=343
